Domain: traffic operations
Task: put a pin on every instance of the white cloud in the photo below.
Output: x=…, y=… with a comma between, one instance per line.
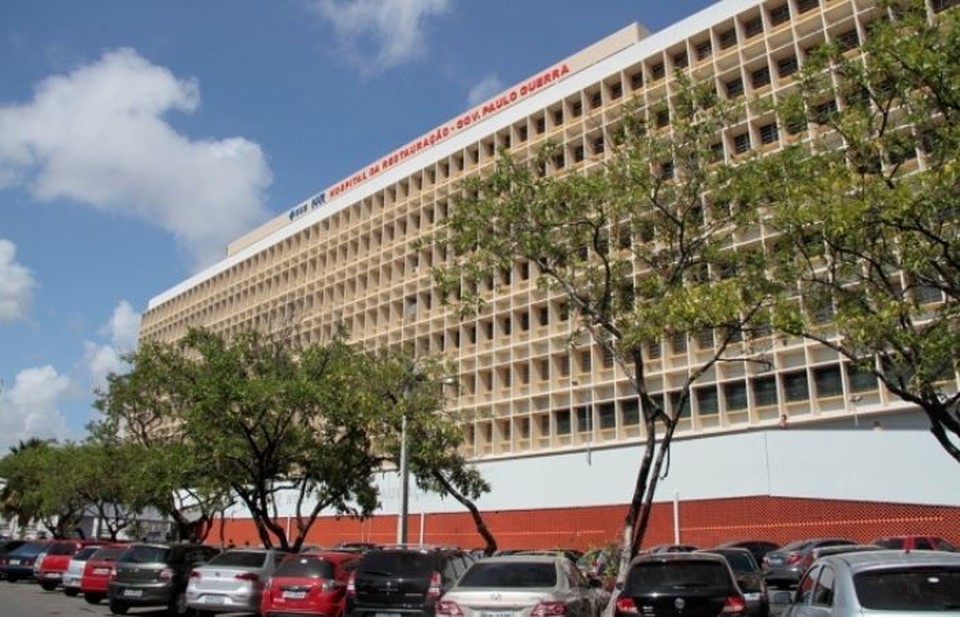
x=484, y=90
x=380, y=34
x=30, y=408
x=101, y=360
x=99, y=136
x=16, y=284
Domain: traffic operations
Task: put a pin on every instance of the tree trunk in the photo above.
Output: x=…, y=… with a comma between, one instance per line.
x=478, y=521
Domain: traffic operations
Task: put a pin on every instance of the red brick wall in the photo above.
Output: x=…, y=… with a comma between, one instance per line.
x=702, y=522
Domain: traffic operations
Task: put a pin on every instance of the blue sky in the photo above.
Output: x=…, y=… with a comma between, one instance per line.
x=138, y=138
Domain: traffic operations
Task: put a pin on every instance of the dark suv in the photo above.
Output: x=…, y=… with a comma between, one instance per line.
x=404, y=582
x=155, y=575
x=673, y=584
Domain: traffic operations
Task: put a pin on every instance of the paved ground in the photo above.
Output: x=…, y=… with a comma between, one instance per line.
x=27, y=599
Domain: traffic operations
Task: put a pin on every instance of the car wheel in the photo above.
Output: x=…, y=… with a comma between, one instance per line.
x=205, y=613
x=93, y=598
x=71, y=592
x=118, y=608
x=48, y=586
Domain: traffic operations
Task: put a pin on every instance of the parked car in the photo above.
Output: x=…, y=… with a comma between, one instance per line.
x=74, y=572
x=95, y=580
x=155, y=575
x=231, y=581
x=49, y=568
x=824, y=551
x=689, y=584
x=671, y=548
x=786, y=565
x=757, y=548
x=403, y=581
x=524, y=584
x=7, y=546
x=915, y=543
x=749, y=578
x=18, y=563
x=894, y=583
x=312, y=583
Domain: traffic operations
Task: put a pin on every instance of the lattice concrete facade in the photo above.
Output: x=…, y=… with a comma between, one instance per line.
x=349, y=253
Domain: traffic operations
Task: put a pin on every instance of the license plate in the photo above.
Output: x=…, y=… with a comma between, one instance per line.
x=296, y=595
x=751, y=596
x=497, y=614
x=386, y=615
x=132, y=593
x=101, y=571
x=14, y=562
x=214, y=599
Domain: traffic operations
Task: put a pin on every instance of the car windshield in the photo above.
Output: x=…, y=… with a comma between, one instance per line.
x=62, y=549
x=307, y=567
x=145, y=554
x=85, y=553
x=740, y=562
x=109, y=554
x=388, y=563
x=916, y=589
x=512, y=575
x=239, y=559
x=676, y=575
x=30, y=549
x=796, y=546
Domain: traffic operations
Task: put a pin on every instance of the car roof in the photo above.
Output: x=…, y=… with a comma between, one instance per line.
x=670, y=557
x=523, y=558
x=878, y=560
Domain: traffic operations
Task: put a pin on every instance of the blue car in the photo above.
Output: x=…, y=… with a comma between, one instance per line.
x=17, y=565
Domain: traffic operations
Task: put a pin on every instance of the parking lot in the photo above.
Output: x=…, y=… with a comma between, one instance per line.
x=27, y=599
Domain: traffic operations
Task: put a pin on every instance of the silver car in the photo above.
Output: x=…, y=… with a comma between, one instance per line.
x=232, y=581
x=71, y=578
x=881, y=583
x=523, y=586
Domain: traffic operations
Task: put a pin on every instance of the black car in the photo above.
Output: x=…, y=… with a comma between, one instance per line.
x=749, y=577
x=7, y=546
x=757, y=548
x=680, y=584
x=17, y=565
x=155, y=575
x=404, y=582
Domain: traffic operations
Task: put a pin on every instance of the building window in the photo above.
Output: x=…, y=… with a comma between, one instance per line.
x=787, y=66
x=630, y=411
x=541, y=124
x=827, y=381
x=704, y=50
x=607, y=415
x=728, y=38
x=663, y=117
x=707, y=400
x=861, y=379
x=678, y=343
x=596, y=100
x=585, y=361
x=825, y=111
x=523, y=371
x=636, y=80
x=598, y=145
x=558, y=117
x=765, y=391
x=524, y=321
x=657, y=71
x=522, y=133
x=562, y=421
x=779, y=14
x=679, y=405
x=848, y=40
x=616, y=90
x=734, y=87
x=760, y=77
x=576, y=110
x=608, y=358
x=741, y=143
x=563, y=365
x=543, y=315
x=584, y=419
x=805, y=5
x=680, y=60
x=795, y=387
x=735, y=395
x=769, y=133
x=753, y=27
x=654, y=350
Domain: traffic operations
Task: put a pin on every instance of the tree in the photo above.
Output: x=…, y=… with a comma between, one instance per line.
x=867, y=206
x=141, y=407
x=108, y=480
x=434, y=439
x=17, y=482
x=639, y=247
x=41, y=482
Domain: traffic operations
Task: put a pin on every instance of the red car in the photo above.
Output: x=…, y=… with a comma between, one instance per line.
x=55, y=561
x=309, y=584
x=915, y=543
x=96, y=574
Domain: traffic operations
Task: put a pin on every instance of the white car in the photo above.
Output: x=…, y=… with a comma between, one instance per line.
x=523, y=586
x=878, y=583
x=74, y=572
x=232, y=581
